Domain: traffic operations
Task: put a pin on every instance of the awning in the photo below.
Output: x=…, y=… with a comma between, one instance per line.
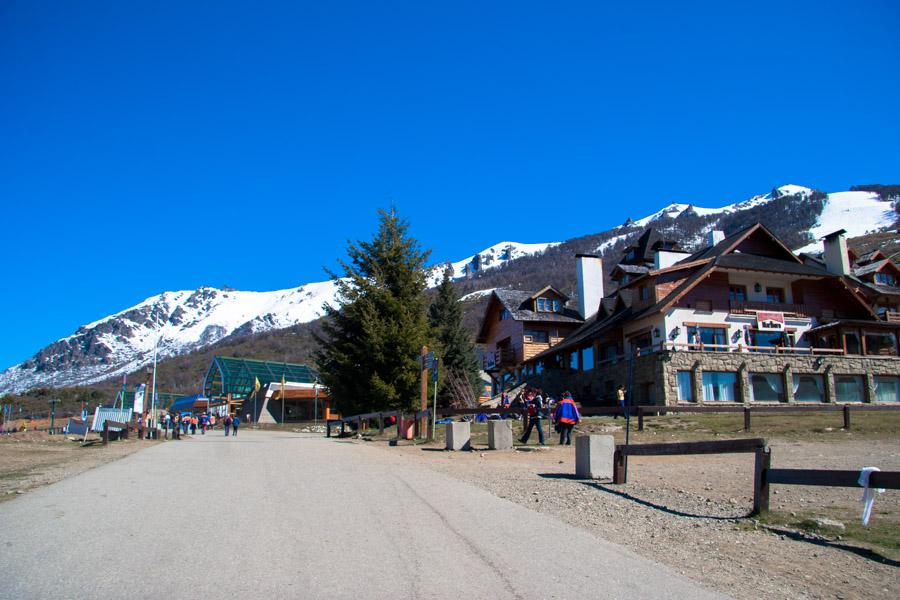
x=189, y=403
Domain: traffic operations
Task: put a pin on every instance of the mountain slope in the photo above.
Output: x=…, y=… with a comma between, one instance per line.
x=194, y=322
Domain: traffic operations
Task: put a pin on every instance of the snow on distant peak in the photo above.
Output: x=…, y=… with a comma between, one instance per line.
x=858, y=213
x=489, y=258
x=792, y=190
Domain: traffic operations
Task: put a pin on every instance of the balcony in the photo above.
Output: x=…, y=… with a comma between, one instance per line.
x=892, y=316
x=747, y=307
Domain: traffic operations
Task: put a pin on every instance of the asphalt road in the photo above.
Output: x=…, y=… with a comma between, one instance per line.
x=275, y=515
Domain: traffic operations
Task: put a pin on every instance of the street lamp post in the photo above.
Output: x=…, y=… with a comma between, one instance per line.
x=53, y=404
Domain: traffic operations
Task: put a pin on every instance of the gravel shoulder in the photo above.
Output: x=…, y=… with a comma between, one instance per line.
x=690, y=513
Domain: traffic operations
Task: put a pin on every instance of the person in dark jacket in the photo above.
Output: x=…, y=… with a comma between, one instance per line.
x=227, y=422
x=535, y=403
x=566, y=418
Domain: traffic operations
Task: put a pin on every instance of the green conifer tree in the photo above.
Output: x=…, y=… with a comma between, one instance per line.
x=371, y=342
x=454, y=344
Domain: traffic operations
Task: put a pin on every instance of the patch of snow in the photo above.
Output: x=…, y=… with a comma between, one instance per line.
x=476, y=295
x=489, y=258
x=857, y=212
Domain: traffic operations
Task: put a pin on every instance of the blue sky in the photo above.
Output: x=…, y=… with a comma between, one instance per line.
x=170, y=145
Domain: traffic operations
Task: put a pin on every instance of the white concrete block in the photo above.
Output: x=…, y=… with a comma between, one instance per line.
x=500, y=435
x=458, y=436
x=594, y=456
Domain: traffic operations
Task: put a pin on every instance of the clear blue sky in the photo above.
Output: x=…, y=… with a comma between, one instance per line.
x=167, y=145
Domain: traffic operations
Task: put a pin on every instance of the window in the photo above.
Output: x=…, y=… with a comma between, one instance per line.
x=886, y=389
x=644, y=292
x=709, y=336
x=775, y=295
x=504, y=315
x=885, y=279
x=548, y=305
x=556, y=305
x=881, y=343
x=629, y=255
x=536, y=336
x=703, y=305
x=610, y=352
x=587, y=358
x=539, y=368
x=719, y=386
x=737, y=293
x=573, y=361
x=766, y=387
x=853, y=346
x=642, y=343
x=849, y=388
x=809, y=388
x=685, y=389
x=771, y=339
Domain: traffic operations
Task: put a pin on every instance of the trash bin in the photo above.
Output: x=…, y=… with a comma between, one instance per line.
x=407, y=427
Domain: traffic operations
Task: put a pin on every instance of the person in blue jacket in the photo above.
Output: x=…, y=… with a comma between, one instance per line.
x=235, y=423
x=566, y=418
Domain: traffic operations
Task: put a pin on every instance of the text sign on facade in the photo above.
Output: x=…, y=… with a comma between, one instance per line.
x=770, y=321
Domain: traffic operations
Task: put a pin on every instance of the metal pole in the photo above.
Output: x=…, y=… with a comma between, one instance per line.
x=316, y=404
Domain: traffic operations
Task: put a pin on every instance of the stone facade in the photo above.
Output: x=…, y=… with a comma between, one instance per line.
x=656, y=381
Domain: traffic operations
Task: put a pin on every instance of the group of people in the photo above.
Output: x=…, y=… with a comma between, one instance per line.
x=534, y=408
x=187, y=423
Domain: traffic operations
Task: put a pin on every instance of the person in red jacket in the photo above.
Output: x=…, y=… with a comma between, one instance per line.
x=566, y=418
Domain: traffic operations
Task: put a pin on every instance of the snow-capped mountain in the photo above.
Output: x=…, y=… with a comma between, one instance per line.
x=174, y=323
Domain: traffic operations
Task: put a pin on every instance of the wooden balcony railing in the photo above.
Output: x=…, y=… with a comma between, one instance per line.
x=797, y=310
x=892, y=316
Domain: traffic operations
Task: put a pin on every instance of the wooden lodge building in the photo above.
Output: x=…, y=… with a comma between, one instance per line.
x=742, y=320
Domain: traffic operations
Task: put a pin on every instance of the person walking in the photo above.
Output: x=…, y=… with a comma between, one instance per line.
x=235, y=423
x=566, y=418
x=620, y=399
x=535, y=414
x=227, y=423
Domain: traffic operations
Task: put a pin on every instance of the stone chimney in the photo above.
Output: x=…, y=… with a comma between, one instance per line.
x=837, y=259
x=714, y=236
x=590, y=284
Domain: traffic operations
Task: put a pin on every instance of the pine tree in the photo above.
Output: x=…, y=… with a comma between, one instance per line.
x=371, y=342
x=454, y=344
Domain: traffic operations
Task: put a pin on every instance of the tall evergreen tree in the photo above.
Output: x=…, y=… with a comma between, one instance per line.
x=455, y=346
x=371, y=342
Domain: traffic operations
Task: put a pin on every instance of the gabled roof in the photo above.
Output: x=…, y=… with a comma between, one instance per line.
x=238, y=376
x=870, y=256
x=873, y=267
x=752, y=262
x=518, y=303
x=549, y=288
x=730, y=243
x=629, y=269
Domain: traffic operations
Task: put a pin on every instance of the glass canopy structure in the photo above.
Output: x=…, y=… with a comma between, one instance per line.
x=237, y=376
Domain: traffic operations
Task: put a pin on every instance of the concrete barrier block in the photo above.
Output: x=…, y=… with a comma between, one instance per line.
x=458, y=436
x=500, y=435
x=594, y=456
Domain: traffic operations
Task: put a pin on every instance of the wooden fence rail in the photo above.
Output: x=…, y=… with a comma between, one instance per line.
x=107, y=425
x=816, y=477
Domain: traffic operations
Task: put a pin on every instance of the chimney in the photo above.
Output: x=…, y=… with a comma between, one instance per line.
x=837, y=260
x=590, y=284
x=714, y=236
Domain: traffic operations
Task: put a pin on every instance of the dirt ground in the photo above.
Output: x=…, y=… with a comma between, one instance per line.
x=33, y=459
x=690, y=512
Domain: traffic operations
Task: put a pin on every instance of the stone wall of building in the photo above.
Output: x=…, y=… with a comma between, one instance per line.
x=655, y=375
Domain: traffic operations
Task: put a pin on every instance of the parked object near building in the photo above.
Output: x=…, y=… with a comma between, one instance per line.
x=742, y=320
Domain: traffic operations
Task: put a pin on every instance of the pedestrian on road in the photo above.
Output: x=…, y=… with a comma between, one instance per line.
x=212, y=422
x=194, y=422
x=235, y=423
x=227, y=423
x=175, y=427
x=535, y=414
x=566, y=418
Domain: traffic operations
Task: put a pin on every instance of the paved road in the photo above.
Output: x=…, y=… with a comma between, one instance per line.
x=269, y=515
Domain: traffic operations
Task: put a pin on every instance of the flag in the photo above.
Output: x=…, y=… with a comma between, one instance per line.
x=282, y=385
x=256, y=386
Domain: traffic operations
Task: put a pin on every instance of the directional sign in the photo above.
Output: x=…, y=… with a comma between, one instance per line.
x=434, y=369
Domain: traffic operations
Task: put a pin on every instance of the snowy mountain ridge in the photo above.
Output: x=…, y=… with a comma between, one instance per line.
x=175, y=323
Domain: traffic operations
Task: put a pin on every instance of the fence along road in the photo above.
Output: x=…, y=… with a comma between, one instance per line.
x=275, y=515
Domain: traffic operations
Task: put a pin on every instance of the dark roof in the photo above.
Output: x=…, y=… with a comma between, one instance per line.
x=753, y=262
x=713, y=251
x=856, y=323
x=870, y=268
x=868, y=256
x=518, y=303
x=648, y=243
x=633, y=269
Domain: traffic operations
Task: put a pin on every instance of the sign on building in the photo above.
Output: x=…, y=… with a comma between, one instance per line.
x=139, y=398
x=770, y=321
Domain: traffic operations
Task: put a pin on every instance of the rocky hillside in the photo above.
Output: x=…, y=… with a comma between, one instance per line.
x=190, y=326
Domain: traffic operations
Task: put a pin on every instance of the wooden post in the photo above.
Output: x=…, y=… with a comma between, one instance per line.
x=423, y=390
x=846, y=417
x=328, y=428
x=640, y=412
x=760, y=482
x=380, y=423
x=746, y=418
x=342, y=428
x=105, y=433
x=618, y=467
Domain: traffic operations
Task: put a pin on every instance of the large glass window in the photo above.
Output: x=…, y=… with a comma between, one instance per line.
x=766, y=387
x=775, y=295
x=887, y=389
x=610, y=352
x=685, y=389
x=809, y=388
x=853, y=345
x=573, y=361
x=885, y=279
x=587, y=358
x=719, y=386
x=709, y=336
x=881, y=343
x=849, y=388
